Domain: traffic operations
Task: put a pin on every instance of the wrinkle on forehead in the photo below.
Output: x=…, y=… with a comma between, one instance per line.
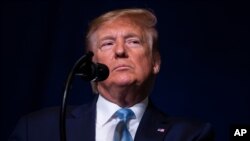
x=119, y=26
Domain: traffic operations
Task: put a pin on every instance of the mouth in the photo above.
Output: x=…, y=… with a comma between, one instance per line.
x=121, y=67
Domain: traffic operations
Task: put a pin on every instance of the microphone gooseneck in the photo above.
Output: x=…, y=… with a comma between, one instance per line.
x=87, y=70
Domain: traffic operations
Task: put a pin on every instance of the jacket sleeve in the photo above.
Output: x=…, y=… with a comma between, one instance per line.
x=206, y=134
x=20, y=132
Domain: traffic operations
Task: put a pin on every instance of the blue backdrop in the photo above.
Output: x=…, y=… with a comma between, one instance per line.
x=204, y=47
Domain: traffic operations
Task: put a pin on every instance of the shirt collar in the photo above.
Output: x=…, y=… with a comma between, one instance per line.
x=105, y=109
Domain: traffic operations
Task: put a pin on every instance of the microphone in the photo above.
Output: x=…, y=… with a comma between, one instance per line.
x=90, y=71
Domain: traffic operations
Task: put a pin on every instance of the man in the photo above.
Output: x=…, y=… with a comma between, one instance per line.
x=126, y=41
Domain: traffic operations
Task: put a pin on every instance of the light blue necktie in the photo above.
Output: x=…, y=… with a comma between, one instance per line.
x=121, y=131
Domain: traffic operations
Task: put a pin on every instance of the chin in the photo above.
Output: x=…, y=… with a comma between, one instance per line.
x=123, y=83
x=123, y=80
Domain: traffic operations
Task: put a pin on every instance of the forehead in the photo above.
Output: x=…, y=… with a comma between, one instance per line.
x=120, y=26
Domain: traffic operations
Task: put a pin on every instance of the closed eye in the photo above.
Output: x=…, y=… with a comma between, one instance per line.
x=133, y=42
x=106, y=44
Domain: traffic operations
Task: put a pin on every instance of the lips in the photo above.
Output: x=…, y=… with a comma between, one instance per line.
x=121, y=67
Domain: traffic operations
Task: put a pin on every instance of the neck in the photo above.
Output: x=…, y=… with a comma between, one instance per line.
x=123, y=97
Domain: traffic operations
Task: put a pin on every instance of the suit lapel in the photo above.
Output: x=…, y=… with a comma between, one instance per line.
x=153, y=125
x=81, y=124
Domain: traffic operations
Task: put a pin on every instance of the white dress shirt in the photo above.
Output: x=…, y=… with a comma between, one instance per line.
x=106, y=123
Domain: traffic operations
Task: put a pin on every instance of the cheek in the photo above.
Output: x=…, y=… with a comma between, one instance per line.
x=144, y=62
x=102, y=58
x=144, y=56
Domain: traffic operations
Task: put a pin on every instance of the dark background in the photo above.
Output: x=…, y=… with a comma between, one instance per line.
x=204, y=47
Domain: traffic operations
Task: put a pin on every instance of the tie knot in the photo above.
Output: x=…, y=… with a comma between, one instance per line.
x=125, y=114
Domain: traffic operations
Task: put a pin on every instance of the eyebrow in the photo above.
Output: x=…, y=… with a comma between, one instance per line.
x=108, y=37
x=129, y=35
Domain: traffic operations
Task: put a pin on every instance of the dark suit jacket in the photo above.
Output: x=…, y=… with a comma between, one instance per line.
x=80, y=124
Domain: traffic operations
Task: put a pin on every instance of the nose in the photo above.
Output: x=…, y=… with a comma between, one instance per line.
x=120, y=50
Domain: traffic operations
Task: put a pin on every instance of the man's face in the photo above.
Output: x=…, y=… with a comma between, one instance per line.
x=123, y=47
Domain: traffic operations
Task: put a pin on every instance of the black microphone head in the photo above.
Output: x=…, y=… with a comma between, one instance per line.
x=102, y=72
x=90, y=71
x=87, y=71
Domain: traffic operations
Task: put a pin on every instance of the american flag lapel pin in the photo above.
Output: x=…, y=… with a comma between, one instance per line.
x=161, y=130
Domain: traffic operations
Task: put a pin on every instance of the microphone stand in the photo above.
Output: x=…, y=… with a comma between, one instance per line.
x=69, y=81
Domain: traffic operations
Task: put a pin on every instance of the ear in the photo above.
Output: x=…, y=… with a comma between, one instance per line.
x=156, y=62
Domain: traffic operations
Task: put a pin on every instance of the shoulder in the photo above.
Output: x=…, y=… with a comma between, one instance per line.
x=188, y=124
x=182, y=128
x=43, y=124
x=176, y=122
x=45, y=113
x=41, y=118
x=190, y=129
x=53, y=113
